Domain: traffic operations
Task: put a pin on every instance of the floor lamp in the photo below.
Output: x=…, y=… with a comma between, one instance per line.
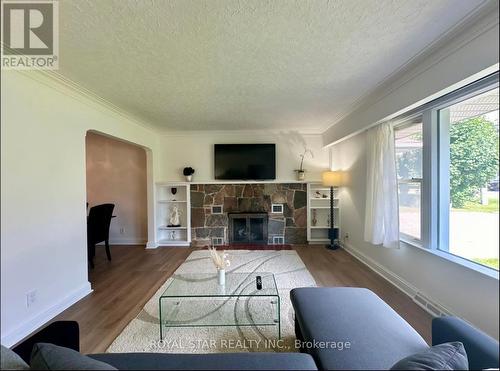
x=332, y=179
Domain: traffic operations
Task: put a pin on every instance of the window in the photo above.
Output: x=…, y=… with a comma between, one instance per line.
x=468, y=160
x=408, y=143
x=447, y=159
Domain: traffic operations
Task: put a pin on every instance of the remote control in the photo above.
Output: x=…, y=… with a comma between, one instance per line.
x=259, y=282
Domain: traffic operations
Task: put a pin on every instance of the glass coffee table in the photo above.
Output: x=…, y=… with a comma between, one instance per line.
x=197, y=300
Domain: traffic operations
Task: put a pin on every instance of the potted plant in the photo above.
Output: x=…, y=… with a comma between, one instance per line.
x=188, y=173
x=301, y=172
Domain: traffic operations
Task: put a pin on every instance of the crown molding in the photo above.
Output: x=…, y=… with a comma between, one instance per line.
x=66, y=86
x=265, y=132
x=58, y=82
x=482, y=19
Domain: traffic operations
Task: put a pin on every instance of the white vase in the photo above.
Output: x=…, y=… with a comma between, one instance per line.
x=301, y=174
x=189, y=178
x=221, y=276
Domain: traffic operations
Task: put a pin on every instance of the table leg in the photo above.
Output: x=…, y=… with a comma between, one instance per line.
x=279, y=319
x=161, y=324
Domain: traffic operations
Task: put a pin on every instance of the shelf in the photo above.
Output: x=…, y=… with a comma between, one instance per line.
x=280, y=181
x=322, y=198
x=323, y=207
x=322, y=227
x=173, y=243
x=166, y=201
x=320, y=207
x=172, y=184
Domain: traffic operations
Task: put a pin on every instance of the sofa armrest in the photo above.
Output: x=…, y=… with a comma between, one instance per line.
x=61, y=333
x=482, y=349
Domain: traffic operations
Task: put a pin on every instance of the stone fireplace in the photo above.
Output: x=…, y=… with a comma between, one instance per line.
x=215, y=207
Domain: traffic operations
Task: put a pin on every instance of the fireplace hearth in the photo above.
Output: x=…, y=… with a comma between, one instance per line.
x=245, y=228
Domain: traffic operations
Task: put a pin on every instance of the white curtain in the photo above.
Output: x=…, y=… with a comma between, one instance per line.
x=382, y=212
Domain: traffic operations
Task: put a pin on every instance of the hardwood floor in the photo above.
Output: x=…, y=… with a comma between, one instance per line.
x=339, y=268
x=121, y=289
x=123, y=286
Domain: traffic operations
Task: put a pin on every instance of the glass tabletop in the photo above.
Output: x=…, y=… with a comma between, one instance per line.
x=206, y=285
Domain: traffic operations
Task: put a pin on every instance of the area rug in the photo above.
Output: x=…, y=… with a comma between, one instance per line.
x=258, y=247
x=142, y=334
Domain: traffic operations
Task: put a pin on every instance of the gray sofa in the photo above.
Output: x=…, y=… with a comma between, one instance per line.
x=377, y=336
x=339, y=328
x=218, y=361
x=66, y=334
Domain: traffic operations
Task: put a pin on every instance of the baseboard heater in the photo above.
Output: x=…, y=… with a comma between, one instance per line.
x=428, y=305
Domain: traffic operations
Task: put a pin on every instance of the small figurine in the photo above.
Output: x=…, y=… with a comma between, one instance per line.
x=174, y=217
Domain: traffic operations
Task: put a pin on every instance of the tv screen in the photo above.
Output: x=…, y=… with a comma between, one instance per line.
x=245, y=161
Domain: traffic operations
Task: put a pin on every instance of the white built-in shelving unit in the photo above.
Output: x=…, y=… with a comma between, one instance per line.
x=165, y=201
x=318, y=212
x=318, y=208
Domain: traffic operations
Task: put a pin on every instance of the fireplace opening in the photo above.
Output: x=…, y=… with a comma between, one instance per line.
x=248, y=228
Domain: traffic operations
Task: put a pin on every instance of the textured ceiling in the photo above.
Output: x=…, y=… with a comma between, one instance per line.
x=228, y=64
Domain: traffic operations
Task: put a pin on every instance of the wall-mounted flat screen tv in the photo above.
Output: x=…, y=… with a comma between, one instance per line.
x=245, y=161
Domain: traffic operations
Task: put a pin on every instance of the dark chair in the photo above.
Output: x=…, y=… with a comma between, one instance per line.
x=98, y=223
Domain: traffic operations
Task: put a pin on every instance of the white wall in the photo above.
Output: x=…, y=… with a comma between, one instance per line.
x=116, y=173
x=464, y=292
x=43, y=195
x=43, y=239
x=195, y=149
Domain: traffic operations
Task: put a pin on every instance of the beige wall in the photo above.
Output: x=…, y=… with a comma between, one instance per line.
x=116, y=173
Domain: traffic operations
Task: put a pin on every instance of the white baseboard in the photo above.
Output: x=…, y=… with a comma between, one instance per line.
x=125, y=241
x=397, y=281
x=430, y=305
x=26, y=328
x=151, y=245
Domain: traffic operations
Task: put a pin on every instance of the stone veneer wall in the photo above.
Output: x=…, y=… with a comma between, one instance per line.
x=249, y=198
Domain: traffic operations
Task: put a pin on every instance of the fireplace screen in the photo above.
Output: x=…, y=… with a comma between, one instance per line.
x=248, y=228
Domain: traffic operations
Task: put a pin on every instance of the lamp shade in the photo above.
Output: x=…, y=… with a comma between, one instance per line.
x=332, y=178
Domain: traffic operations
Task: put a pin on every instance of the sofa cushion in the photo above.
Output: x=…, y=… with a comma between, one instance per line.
x=52, y=357
x=352, y=328
x=11, y=361
x=482, y=350
x=215, y=361
x=448, y=356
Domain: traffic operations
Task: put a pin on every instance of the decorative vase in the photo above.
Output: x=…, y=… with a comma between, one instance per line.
x=221, y=276
x=301, y=174
x=314, y=220
x=189, y=178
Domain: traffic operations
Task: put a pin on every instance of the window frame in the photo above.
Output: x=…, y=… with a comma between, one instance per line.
x=414, y=120
x=435, y=196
